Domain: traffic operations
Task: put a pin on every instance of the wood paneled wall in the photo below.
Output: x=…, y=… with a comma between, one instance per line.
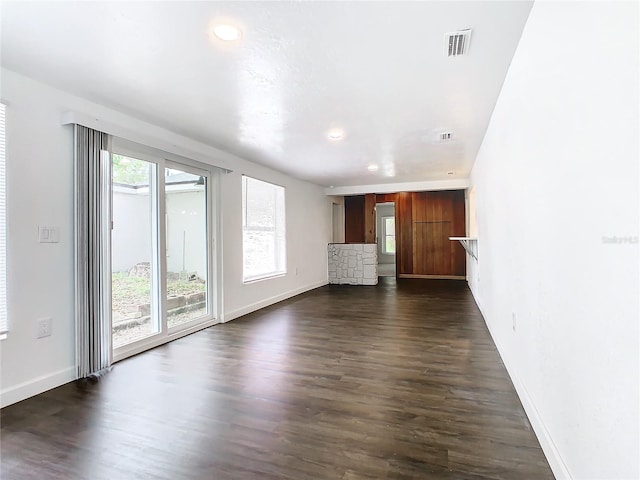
x=404, y=236
x=354, y=219
x=370, y=218
x=436, y=216
x=360, y=218
x=386, y=197
x=424, y=223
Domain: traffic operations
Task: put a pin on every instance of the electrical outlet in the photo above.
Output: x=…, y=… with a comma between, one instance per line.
x=515, y=323
x=44, y=327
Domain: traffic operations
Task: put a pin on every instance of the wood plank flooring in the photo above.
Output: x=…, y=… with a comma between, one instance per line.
x=396, y=381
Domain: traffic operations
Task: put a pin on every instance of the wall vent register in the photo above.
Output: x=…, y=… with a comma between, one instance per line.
x=457, y=43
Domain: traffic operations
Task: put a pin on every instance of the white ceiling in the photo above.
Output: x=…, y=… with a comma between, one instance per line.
x=375, y=69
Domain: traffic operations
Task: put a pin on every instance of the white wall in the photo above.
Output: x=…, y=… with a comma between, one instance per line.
x=40, y=191
x=39, y=276
x=556, y=174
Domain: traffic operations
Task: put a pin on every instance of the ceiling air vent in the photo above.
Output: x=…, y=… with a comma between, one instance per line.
x=457, y=43
x=445, y=136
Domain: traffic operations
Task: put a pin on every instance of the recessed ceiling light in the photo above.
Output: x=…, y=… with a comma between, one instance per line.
x=372, y=168
x=227, y=32
x=335, y=134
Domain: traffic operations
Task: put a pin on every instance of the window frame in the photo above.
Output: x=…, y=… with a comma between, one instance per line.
x=280, y=250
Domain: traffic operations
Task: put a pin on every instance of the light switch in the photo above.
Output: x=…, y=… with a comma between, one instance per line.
x=48, y=234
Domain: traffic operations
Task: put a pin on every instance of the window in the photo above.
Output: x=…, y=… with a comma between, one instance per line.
x=263, y=229
x=389, y=244
x=3, y=230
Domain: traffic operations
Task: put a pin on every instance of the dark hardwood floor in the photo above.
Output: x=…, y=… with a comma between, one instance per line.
x=394, y=381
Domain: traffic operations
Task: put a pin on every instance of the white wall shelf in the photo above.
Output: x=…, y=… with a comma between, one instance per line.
x=470, y=244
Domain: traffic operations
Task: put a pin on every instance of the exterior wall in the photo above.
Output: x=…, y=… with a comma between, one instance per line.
x=186, y=233
x=131, y=234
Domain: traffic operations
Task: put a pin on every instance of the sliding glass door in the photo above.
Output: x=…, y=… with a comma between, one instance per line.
x=161, y=251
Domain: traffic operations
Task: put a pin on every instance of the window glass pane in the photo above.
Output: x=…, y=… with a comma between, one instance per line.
x=186, y=226
x=389, y=235
x=390, y=225
x=133, y=266
x=261, y=205
x=259, y=253
x=263, y=209
x=390, y=244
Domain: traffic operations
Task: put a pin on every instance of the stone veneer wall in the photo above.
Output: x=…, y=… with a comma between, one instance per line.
x=353, y=263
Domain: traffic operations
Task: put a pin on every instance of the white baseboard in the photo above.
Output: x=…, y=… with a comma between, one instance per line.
x=270, y=301
x=559, y=468
x=38, y=385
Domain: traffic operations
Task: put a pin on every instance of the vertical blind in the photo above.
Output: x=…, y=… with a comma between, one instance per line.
x=93, y=262
x=3, y=228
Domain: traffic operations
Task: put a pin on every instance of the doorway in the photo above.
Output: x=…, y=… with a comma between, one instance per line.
x=386, y=238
